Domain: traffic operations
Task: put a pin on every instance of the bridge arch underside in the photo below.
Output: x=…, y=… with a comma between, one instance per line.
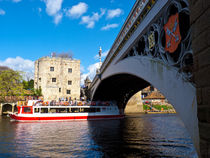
x=124, y=78
x=6, y=107
x=119, y=88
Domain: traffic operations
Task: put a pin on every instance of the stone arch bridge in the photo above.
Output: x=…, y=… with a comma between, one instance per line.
x=154, y=46
x=7, y=107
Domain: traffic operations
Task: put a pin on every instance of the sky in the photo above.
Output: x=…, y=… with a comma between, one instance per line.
x=31, y=29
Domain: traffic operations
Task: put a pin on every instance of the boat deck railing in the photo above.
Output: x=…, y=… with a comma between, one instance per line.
x=66, y=104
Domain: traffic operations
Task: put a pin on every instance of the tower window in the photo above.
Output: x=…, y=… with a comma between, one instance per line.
x=68, y=91
x=59, y=89
x=69, y=82
x=51, y=68
x=53, y=79
x=69, y=70
x=40, y=79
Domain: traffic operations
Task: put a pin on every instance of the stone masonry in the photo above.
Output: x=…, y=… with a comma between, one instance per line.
x=200, y=23
x=57, y=77
x=134, y=105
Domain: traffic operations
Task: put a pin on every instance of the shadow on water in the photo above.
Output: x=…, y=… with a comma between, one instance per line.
x=142, y=136
x=133, y=136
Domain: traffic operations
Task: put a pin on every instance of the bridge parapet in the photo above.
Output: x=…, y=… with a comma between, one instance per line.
x=137, y=14
x=165, y=37
x=139, y=10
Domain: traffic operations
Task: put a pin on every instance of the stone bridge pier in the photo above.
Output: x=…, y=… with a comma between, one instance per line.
x=200, y=23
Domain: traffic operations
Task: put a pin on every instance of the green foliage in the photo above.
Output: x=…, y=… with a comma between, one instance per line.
x=10, y=83
x=31, y=84
x=38, y=92
x=165, y=107
x=28, y=85
x=145, y=107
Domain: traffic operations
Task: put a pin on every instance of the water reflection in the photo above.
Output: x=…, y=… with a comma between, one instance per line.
x=143, y=136
x=134, y=136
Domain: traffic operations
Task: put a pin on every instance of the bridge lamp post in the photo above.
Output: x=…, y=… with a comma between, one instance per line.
x=99, y=53
x=98, y=70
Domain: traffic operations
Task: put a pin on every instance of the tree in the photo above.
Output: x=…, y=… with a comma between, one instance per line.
x=38, y=92
x=63, y=55
x=31, y=84
x=66, y=55
x=28, y=85
x=10, y=83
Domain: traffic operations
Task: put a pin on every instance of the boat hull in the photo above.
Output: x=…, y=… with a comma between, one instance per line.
x=63, y=118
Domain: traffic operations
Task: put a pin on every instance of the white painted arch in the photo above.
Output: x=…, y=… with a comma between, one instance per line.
x=180, y=93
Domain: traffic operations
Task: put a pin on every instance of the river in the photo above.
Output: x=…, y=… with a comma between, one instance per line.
x=139, y=135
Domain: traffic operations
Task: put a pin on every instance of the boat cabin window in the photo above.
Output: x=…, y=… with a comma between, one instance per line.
x=44, y=110
x=59, y=110
x=75, y=109
x=67, y=110
x=62, y=110
x=90, y=110
x=53, y=110
x=27, y=109
x=98, y=110
x=36, y=110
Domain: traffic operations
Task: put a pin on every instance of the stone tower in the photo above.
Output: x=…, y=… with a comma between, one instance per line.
x=58, y=77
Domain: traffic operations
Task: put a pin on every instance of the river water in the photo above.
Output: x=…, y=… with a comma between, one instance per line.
x=139, y=135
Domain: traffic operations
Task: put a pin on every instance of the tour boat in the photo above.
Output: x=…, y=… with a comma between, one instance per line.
x=45, y=111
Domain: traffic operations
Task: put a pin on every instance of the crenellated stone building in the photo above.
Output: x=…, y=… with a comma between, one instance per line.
x=58, y=77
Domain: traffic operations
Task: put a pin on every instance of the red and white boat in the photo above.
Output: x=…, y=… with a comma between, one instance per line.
x=43, y=111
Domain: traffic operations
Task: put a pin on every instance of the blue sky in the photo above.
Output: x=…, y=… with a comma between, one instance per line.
x=30, y=29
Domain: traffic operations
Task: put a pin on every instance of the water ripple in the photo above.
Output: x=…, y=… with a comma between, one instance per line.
x=134, y=136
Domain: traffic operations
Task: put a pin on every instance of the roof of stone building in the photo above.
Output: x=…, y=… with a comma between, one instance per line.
x=146, y=89
x=87, y=79
x=149, y=89
x=154, y=95
x=2, y=68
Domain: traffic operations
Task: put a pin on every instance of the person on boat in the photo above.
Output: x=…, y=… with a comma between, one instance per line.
x=70, y=102
x=75, y=101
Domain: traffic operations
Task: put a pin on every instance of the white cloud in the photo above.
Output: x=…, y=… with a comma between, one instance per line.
x=16, y=1
x=82, y=69
x=103, y=55
x=77, y=10
x=109, y=26
x=39, y=10
x=91, y=72
x=2, y=12
x=114, y=13
x=57, y=18
x=53, y=8
x=20, y=64
x=90, y=20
